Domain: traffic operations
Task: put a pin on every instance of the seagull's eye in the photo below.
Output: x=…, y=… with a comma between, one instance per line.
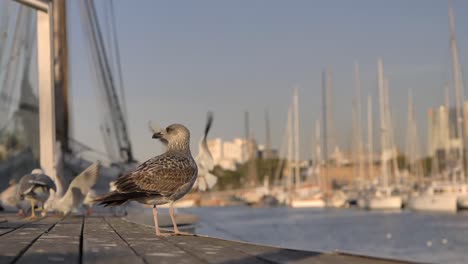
x=169, y=129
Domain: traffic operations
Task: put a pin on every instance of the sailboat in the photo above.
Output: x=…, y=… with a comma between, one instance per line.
x=449, y=193
x=302, y=195
x=383, y=196
x=313, y=194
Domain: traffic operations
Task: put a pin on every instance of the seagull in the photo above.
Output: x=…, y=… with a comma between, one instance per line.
x=77, y=191
x=160, y=180
x=9, y=198
x=35, y=187
x=205, y=163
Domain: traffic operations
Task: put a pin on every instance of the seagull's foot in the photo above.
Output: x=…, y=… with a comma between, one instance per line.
x=164, y=235
x=32, y=217
x=178, y=233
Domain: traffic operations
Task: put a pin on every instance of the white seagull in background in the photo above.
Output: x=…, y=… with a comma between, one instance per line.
x=9, y=199
x=204, y=159
x=77, y=191
x=35, y=187
x=163, y=179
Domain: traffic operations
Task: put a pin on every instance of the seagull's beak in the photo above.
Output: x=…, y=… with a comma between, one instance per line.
x=157, y=135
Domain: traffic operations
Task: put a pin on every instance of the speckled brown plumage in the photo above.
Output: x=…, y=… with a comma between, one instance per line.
x=160, y=175
x=161, y=179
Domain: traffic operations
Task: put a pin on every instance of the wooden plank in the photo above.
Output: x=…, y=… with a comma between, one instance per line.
x=154, y=249
x=266, y=253
x=210, y=250
x=15, y=243
x=11, y=222
x=282, y=255
x=102, y=245
x=60, y=244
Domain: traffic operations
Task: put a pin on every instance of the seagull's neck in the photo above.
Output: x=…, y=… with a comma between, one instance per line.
x=180, y=147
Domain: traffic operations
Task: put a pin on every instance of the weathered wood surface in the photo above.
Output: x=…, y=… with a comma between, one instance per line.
x=100, y=239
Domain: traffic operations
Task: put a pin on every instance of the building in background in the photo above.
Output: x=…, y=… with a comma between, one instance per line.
x=230, y=154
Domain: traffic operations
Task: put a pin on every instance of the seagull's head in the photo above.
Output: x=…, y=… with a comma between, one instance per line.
x=174, y=136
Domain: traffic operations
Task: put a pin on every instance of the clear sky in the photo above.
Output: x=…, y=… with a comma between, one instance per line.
x=183, y=58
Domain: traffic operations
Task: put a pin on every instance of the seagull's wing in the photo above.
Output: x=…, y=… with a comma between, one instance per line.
x=204, y=151
x=205, y=161
x=43, y=180
x=210, y=180
x=160, y=175
x=79, y=188
x=24, y=185
x=205, y=181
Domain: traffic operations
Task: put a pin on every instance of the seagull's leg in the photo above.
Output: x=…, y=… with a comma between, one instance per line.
x=43, y=212
x=89, y=211
x=176, y=229
x=33, y=209
x=33, y=213
x=155, y=216
x=20, y=212
x=171, y=213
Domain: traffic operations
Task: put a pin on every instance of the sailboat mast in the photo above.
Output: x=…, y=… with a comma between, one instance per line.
x=290, y=150
x=383, y=123
x=318, y=155
x=458, y=83
x=446, y=135
x=393, y=154
x=358, y=119
x=410, y=136
x=297, y=174
x=267, y=137
x=61, y=73
x=325, y=128
x=250, y=153
x=370, y=139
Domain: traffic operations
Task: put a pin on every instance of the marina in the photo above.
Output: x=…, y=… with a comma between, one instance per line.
x=330, y=178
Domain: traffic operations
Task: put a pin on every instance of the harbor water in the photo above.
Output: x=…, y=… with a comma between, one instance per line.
x=434, y=238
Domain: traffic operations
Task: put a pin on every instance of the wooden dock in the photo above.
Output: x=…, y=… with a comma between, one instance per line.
x=100, y=239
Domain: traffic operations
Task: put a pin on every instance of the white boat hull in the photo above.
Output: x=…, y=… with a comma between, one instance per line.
x=312, y=203
x=434, y=203
x=384, y=203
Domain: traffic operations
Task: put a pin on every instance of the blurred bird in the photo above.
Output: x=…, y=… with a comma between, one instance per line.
x=77, y=190
x=205, y=163
x=163, y=179
x=10, y=201
x=35, y=187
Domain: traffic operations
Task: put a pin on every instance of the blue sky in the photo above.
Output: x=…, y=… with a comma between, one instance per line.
x=183, y=58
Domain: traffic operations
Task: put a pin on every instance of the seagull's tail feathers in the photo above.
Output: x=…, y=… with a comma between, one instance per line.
x=118, y=198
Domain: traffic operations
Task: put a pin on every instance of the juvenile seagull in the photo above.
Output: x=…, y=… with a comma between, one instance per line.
x=163, y=179
x=35, y=187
